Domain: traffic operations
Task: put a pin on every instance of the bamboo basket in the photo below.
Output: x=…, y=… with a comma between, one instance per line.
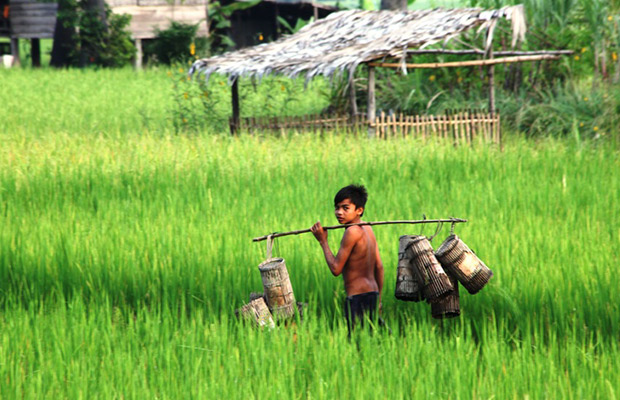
x=407, y=285
x=463, y=263
x=433, y=279
x=449, y=306
x=258, y=312
x=278, y=288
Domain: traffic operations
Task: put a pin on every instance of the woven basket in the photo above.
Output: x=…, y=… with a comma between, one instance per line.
x=461, y=262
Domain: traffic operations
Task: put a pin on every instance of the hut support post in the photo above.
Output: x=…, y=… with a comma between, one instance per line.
x=35, y=51
x=15, y=52
x=138, y=63
x=491, y=90
x=352, y=98
x=371, y=102
x=234, y=125
x=491, y=75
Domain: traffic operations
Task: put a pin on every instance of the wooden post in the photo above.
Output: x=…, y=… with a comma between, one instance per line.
x=372, y=112
x=491, y=74
x=35, y=52
x=138, y=62
x=352, y=98
x=235, y=107
x=15, y=52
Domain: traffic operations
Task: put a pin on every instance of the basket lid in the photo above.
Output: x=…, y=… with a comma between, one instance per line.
x=447, y=245
x=270, y=263
x=405, y=241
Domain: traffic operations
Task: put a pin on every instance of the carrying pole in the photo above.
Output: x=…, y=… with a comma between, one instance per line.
x=421, y=221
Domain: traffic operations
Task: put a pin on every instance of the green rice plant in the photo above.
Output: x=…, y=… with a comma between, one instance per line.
x=124, y=250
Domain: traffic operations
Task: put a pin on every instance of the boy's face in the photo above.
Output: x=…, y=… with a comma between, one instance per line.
x=347, y=213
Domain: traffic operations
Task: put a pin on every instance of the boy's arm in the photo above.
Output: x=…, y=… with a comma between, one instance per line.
x=336, y=263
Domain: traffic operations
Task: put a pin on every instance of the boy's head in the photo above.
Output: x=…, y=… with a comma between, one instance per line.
x=356, y=193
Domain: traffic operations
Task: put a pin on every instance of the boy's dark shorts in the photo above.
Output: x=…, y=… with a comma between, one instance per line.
x=357, y=307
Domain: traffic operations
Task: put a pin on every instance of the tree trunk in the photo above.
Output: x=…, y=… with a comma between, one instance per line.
x=64, y=36
x=394, y=5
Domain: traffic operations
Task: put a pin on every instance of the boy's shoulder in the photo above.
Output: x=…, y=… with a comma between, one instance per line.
x=354, y=232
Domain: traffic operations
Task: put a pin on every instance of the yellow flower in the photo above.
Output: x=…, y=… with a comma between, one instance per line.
x=185, y=95
x=169, y=73
x=260, y=37
x=184, y=121
x=181, y=70
x=614, y=56
x=581, y=124
x=583, y=49
x=610, y=18
x=577, y=58
x=585, y=99
x=192, y=49
x=595, y=128
x=282, y=88
x=431, y=78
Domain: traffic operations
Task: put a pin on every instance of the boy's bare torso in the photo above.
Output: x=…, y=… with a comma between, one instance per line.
x=358, y=257
x=359, y=270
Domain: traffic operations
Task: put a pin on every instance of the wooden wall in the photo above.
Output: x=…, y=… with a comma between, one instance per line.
x=31, y=19
x=146, y=18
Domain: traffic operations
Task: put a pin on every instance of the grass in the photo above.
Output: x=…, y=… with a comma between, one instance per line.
x=124, y=251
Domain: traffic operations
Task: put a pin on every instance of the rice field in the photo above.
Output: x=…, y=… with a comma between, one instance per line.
x=125, y=248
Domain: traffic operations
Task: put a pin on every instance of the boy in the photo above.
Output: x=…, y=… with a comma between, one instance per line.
x=358, y=257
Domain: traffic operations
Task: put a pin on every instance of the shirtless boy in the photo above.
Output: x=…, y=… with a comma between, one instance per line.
x=358, y=258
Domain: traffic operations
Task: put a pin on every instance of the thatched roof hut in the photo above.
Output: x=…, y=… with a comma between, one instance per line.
x=346, y=39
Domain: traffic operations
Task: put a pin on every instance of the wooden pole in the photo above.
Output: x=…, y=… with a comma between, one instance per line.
x=372, y=111
x=234, y=125
x=470, y=63
x=352, y=98
x=499, y=53
x=410, y=222
x=490, y=70
x=15, y=52
x=35, y=52
x=138, y=62
x=491, y=74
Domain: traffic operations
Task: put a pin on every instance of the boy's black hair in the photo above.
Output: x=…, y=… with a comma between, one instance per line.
x=356, y=193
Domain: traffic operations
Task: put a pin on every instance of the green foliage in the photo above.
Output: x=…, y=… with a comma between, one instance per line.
x=219, y=24
x=173, y=44
x=570, y=24
x=118, y=49
x=106, y=44
x=290, y=29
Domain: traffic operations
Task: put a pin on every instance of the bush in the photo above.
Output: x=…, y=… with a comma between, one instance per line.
x=175, y=43
x=106, y=44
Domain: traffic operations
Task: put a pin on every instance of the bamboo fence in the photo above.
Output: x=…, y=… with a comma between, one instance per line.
x=461, y=126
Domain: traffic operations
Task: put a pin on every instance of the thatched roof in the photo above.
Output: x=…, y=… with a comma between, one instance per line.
x=346, y=39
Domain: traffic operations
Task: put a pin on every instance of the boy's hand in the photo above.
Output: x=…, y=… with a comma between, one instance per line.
x=319, y=233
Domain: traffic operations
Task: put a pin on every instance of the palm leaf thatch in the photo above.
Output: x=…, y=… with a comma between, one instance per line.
x=346, y=39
